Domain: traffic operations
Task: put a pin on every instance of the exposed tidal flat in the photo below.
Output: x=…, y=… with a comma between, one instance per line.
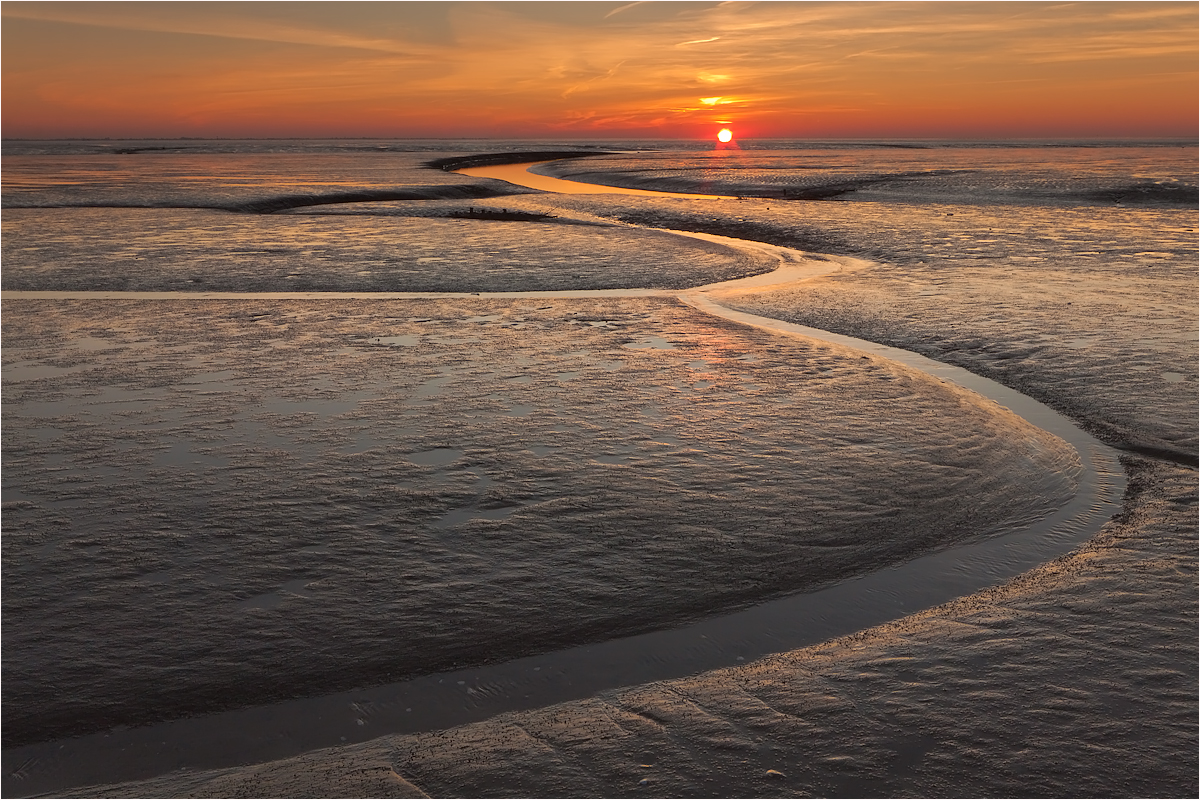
x=1085, y=304
x=558, y=471
x=338, y=494
x=204, y=250
x=1075, y=680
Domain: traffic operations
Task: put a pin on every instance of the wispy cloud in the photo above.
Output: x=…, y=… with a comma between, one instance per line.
x=625, y=7
x=522, y=65
x=180, y=19
x=579, y=87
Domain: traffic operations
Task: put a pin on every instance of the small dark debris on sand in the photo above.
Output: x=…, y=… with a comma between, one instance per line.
x=502, y=214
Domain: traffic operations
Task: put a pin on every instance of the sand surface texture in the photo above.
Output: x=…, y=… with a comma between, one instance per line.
x=203, y=250
x=1052, y=685
x=1069, y=280
x=1077, y=679
x=335, y=494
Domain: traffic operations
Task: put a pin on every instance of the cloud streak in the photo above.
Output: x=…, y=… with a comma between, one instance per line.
x=464, y=68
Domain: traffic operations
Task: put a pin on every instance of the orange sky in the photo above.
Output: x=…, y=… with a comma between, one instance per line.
x=566, y=69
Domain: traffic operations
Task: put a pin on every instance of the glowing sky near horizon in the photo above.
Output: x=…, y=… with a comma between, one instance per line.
x=567, y=69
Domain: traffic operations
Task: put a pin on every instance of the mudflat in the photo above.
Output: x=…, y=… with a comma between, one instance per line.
x=1076, y=679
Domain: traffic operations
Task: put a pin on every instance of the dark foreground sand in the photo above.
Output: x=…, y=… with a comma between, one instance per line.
x=1076, y=679
x=217, y=504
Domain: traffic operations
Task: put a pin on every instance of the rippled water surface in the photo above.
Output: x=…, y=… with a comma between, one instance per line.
x=212, y=503
x=1024, y=175
x=338, y=493
x=174, y=249
x=1061, y=271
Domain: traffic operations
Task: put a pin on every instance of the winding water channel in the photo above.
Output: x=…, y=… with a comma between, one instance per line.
x=440, y=701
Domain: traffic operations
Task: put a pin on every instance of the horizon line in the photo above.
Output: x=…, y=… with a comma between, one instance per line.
x=1181, y=137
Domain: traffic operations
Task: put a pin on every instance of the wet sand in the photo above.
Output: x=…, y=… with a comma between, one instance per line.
x=559, y=474
x=525, y=174
x=1077, y=679
x=1055, y=684
x=1089, y=309
x=195, y=250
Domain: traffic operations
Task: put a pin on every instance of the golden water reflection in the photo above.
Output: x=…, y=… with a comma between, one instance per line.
x=520, y=175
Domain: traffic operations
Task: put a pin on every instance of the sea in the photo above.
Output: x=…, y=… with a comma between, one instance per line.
x=290, y=418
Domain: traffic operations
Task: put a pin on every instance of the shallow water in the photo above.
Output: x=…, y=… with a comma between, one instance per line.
x=1161, y=174
x=204, y=250
x=259, y=470
x=1088, y=304
x=528, y=175
x=375, y=457
x=437, y=701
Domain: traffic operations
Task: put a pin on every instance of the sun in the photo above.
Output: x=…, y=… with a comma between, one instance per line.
x=725, y=135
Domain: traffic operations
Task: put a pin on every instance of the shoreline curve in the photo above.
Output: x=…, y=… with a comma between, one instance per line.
x=266, y=733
